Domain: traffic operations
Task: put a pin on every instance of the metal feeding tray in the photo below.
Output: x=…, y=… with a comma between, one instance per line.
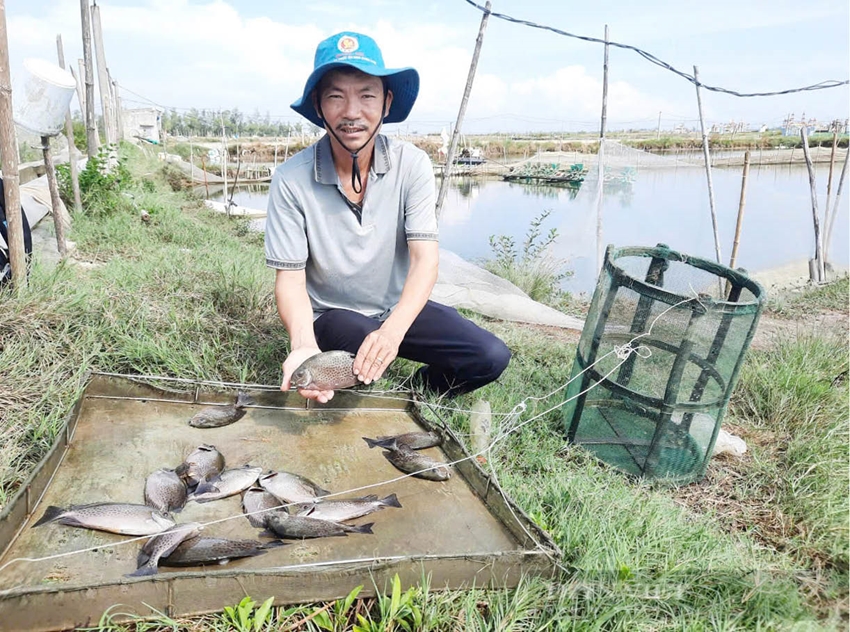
x=460, y=533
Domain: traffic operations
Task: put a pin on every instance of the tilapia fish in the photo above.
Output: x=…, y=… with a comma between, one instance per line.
x=203, y=463
x=416, y=463
x=413, y=440
x=162, y=545
x=326, y=371
x=200, y=551
x=283, y=525
x=122, y=518
x=166, y=491
x=343, y=510
x=291, y=488
x=215, y=416
x=257, y=499
x=228, y=483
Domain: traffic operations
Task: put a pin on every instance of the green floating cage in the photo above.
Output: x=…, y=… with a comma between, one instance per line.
x=657, y=361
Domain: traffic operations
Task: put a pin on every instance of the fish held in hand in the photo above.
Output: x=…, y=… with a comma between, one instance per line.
x=228, y=483
x=256, y=499
x=413, y=440
x=291, y=488
x=161, y=545
x=416, y=463
x=200, y=551
x=165, y=490
x=121, y=518
x=326, y=371
x=343, y=510
x=205, y=462
x=217, y=416
x=283, y=525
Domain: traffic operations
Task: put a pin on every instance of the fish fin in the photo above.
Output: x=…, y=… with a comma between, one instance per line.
x=391, y=501
x=387, y=443
x=243, y=399
x=50, y=514
x=205, y=487
x=271, y=545
x=143, y=571
x=371, y=442
x=371, y=498
x=362, y=528
x=142, y=558
x=267, y=533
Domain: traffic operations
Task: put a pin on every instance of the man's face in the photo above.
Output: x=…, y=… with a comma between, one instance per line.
x=352, y=105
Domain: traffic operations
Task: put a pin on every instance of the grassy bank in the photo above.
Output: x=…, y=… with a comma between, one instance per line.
x=760, y=544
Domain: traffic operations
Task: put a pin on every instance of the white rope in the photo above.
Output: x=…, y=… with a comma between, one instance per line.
x=622, y=352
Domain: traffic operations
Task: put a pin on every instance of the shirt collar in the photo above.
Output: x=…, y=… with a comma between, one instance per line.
x=323, y=163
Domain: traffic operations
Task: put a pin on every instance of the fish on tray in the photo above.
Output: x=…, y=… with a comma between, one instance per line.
x=413, y=440
x=291, y=488
x=216, y=416
x=204, y=463
x=166, y=491
x=326, y=371
x=228, y=483
x=121, y=518
x=200, y=551
x=161, y=545
x=416, y=463
x=344, y=510
x=256, y=499
x=280, y=524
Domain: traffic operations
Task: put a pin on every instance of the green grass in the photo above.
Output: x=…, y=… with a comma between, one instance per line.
x=760, y=544
x=829, y=297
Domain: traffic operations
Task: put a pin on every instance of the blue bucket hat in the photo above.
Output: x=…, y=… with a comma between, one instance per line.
x=361, y=52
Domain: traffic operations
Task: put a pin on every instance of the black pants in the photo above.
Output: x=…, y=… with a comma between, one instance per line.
x=461, y=356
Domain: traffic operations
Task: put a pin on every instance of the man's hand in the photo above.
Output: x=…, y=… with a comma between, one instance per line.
x=375, y=354
x=292, y=362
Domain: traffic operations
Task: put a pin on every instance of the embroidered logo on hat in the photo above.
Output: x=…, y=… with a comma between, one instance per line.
x=348, y=44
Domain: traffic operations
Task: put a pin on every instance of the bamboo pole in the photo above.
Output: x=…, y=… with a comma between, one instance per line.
x=103, y=77
x=707, y=156
x=818, y=273
x=9, y=164
x=447, y=170
x=69, y=134
x=829, y=177
x=600, y=189
x=830, y=222
x=55, y=202
x=733, y=259
x=92, y=140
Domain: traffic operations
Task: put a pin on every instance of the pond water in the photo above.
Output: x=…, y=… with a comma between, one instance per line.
x=668, y=205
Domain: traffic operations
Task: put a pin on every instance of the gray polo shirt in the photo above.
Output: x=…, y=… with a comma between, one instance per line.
x=351, y=263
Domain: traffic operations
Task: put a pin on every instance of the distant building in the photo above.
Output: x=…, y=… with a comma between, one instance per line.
x=143, y=123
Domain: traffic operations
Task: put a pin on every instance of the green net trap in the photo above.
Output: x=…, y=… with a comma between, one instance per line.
x=655, y=411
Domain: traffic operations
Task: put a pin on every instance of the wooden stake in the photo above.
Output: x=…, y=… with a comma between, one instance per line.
x=741, y=202
x=103, y=78
x=9, y=164
x=92, y=140
x=204, y=167
x=707, y=157
x=829, y=177
x=119, y=111
x=447, y=170
x=55, y=202
x=600, y=246
x=819, y=272
x=81, y=89
x=830, y=221
x=69, y=134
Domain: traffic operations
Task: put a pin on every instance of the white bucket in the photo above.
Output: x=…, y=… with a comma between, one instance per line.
x=41, y=94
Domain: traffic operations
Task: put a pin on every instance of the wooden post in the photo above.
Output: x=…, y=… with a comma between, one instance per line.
x=92, y=140
x=658, y=131
x=830, y=222
x=707, y=157
x=9, y=163
x=103, y=77
x=447, y=170
x=819, y=272
x=81, y=89
x=829, y=178
x=204, y=167
x=733, y=259
x=119, y=111
x=69, y=133
x=600, y=246
x=55, y=202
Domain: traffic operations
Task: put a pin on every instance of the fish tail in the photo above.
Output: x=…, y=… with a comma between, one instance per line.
x=206, y=487
x=143, y=571
x=50, y=514
x=391, y=501
x=362, y=528
x=371, y=442
x=243, y=399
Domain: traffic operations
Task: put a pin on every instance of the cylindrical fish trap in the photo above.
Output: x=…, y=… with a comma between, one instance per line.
x=656, y=412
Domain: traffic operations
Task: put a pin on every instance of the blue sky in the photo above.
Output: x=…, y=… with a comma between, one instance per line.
x=256, y=55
